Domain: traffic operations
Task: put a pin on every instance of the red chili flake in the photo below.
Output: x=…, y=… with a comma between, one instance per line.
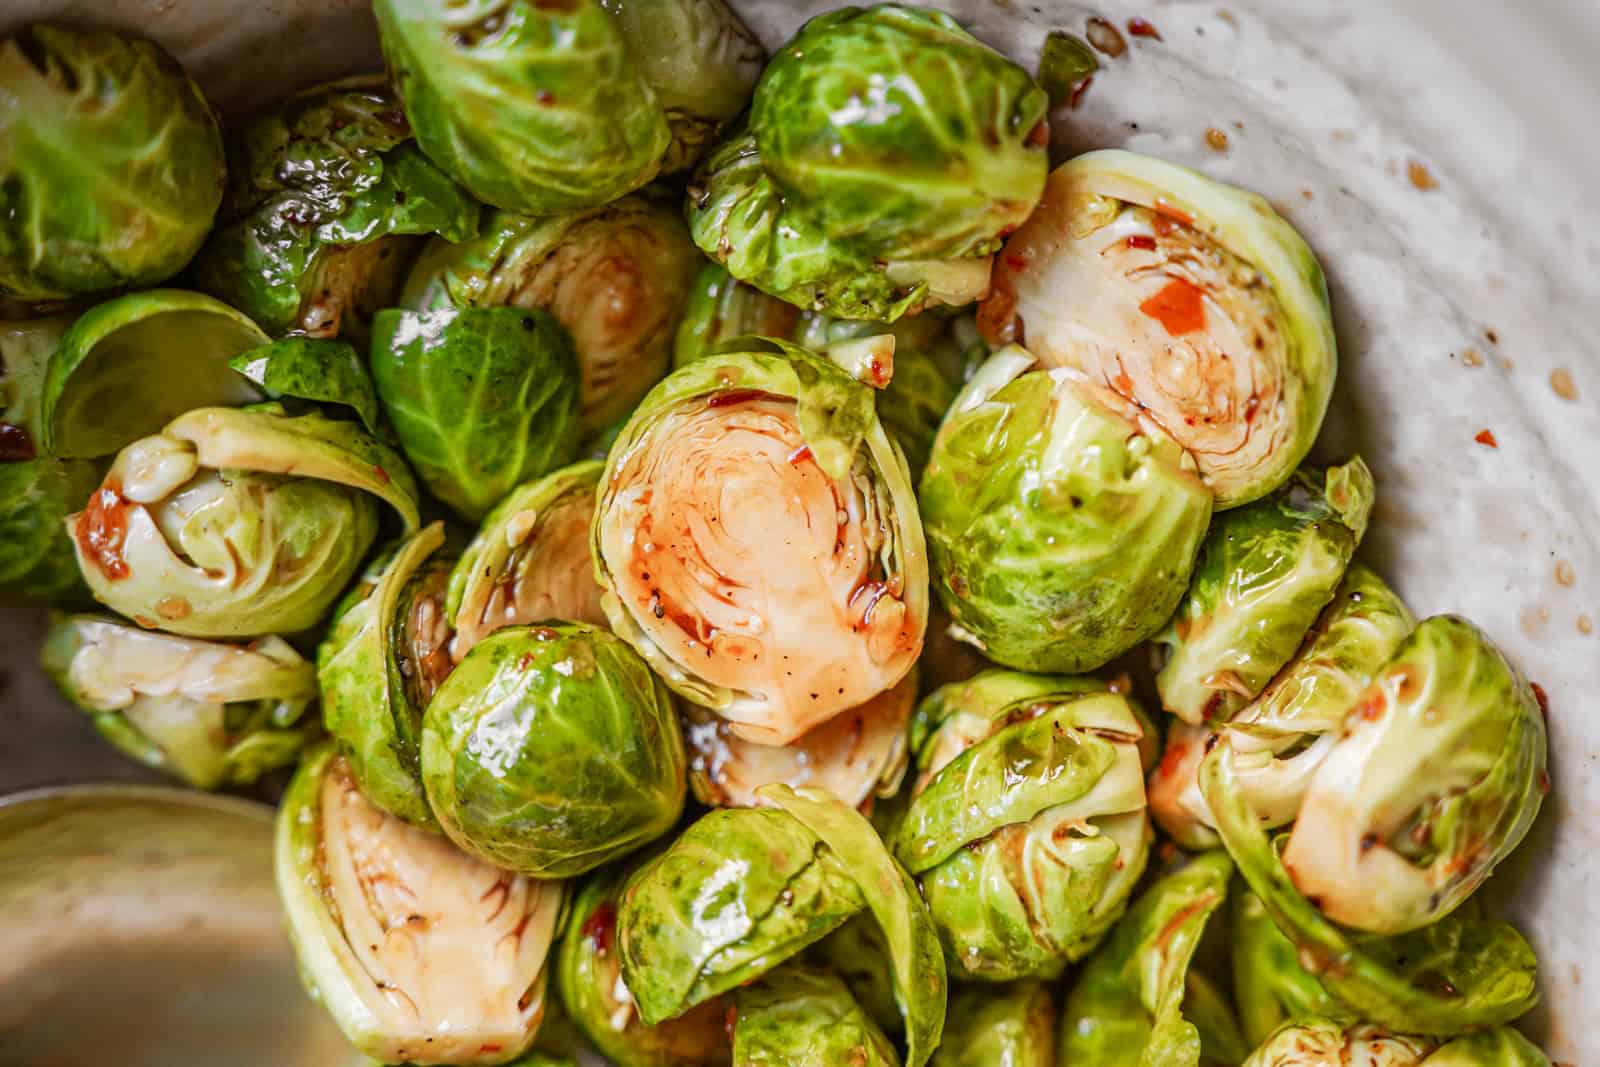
x=1141, y=240
x=1543, y=699
x=799, y=455
x=380, y=474
x=1371, y=709
x=1179, y=307
x=544, y=97
x=1015, y=262
x=102, y=529
x=1040, y=134
x=1142, y=28
x=15, y=444
x=600, y=925
x=1251, y=407
x=1078, y=91
x=729, y=397
x=1484, y=437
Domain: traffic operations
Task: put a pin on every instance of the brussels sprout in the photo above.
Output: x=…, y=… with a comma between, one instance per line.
x=1191, y=298
x=235, y=523
x=700, y=59
x=36, y=556
x=859, y=955
x=856, y=755
x=322, y=186
x=800, y=1016
x=1501, y=1047
x=551, y=750
x=420, y=952
x=1265, y=574
x=213, y=715
x=318, y=370
x=859, y=125
x=480, y=398
x=130, y=365
x=1280, y=738
x=616, y=278
x=1324, y=1043
x=721, y=308
x=25, y=351
x=534, y=107
x=1026, y=827
x=725, y=459
x=1269, y=985
x=1130, y=1000
x=384, y=656
x=1435, y=809
x=1062, y=532
x=112, y=163
x=530, y=560
x=1008, y=1026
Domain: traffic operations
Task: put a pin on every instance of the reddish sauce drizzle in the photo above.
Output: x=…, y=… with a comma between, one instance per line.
x=15, y=444
x=799, y=455
x=600, y=924
x=1543, y=699
x=1141, y=28
x=1179, y=307
x=1078, y=90
x=1141, y=240
x=1172, y=760
x=1163, y=209
x=101, y=530
x=1039, y=136
x=729, y=397
x=1484, y=437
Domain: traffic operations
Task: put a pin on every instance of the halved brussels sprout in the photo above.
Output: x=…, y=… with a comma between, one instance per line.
x=1265, y=573
x=314, y=369
x=589, y=979
x=128, y=366
x=1323, y=1043
x=856, y=755
x=481, y=398
x=112, y=168
x=1062, y=532
x=617, y=278
x=721, y=307
x=322, y=185
x=725, y=461
x=551, y=750
x=1026, y=827
x=1134, y=1001
x=1192, y=299
x=211, y=714
x=895, y=130
x=420, y=952
x=1007, y=1026
x=1269, y=985
x=803, y=1016
x=535, y=107
x=237, y=523
x=1280, y=738
x=530, y=560
x=381, y=662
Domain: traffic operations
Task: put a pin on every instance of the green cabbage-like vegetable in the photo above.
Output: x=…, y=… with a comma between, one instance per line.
x=551, y=750
x=36, y=556
x=210, y=714
x=534, y=107
x=316, y=370
x=384, y=656
x=617, y=278
x=1269, y=985
x=1265, y=574
x=112, y=163
x=1062, y=532
x=1134, y=1002
x=1321, y=1041
x=237, y=523
x=859, y=955
x=721, y=307
x=1500, y=1047
x=803, y=1016
x=481, y=399
x=1194, y=300
x=725, y=459
x=323, y=187
x=1011, y=1026
x=1026, y=827
x=420, y=952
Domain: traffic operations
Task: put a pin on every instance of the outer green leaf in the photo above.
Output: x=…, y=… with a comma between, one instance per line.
x=799, y=1016
x=482, y=398
x=1064, y=64
x=721, y=308
x=1269, y=985
x=1501, y=1047
x=551, y=750
x=534, y=107
x=110, y=159
x=1005, y=1026
x=859, y=955
x=305, y=368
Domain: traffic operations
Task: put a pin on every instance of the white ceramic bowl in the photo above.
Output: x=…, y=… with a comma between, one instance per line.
x=1439, y=155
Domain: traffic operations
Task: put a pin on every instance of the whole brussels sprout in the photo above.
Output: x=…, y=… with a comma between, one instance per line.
x=726, y=459
x=1280, y=738
x=589, y=980
x=534, y=107
x=1007, y=1026
x=1325, y=1043
x=1062, y=532
x=323, y=185
x=857, y=755
x=420, y=952
x=617, y=278
x=1026, y=827
x=237, y=523
x=481, y=398
x=551, y=750
x=36, y=556
x=1133, y=1001
x=744, y=889
x=858, y=126
x=112, y=166
x=1265, y=573
x=383, y=658
x=212, y=715
x=721, y=307
x=802, y=1016
x=530, y=560
x=1269, y=985
x=1192, y=299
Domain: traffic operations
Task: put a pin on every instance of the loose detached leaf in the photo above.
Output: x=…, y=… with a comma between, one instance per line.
x=307, y=368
